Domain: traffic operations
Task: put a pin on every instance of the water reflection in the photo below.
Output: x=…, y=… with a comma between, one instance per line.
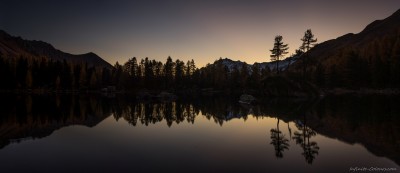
x=30, y=117
x=302, y=138
x=372, y=121
x=151, y=113
x=279, y=141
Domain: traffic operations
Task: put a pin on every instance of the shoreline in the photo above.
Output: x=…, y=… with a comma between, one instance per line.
x=362, y=91
x=210, y=92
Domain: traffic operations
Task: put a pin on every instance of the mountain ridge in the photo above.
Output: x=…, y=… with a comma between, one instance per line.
x=368, y=59
x=270, y=66
x=14, y=47
x=388, y=27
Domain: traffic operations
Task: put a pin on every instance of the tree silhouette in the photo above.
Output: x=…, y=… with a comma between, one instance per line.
x=244, y=75
x=169, y=72
x=118, y=75
x=279, y=141
x=278, y=51
x=255, y=76
x=179, y=72
x=308, y=42
x=310, y=150
x=302, y=138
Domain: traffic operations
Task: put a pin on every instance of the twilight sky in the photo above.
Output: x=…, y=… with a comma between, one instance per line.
x=185, y=29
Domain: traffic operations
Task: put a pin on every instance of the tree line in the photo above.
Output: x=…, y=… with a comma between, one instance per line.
x=135, y=74
x=152, y=74
x=28, y=73
x=358, y=69
x=31, y=73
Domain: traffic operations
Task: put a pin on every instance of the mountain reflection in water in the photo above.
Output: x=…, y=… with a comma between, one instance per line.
x=370, y=121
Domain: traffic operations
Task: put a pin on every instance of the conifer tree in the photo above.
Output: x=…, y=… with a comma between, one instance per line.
x=308, y=42
x=278, y=51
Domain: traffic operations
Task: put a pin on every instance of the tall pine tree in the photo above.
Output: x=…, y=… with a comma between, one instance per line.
x=308, y=42
x=278, y=51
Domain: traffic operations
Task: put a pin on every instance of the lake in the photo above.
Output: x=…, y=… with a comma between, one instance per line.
x=93, y=133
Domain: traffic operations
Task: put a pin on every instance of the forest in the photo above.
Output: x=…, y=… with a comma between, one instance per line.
x=353, y=73
x=374, y=66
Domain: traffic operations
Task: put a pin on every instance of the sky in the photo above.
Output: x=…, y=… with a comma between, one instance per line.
x=185, y=29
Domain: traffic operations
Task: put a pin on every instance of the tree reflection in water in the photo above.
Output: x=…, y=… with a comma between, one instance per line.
x=279, y=141
x=151, y=113
x=302, y=138
x=27, y=117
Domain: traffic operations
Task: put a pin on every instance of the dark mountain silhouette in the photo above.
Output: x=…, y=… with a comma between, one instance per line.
x=380, y=39
x=231, y=64
x=369, y=59
x=14, y=47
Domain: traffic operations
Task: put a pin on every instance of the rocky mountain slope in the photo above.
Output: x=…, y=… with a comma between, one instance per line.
x=15, y=47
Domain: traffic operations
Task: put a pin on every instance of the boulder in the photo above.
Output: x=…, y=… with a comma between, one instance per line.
x=247, y=99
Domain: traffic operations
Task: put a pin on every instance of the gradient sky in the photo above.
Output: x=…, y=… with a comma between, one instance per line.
x=185, y=29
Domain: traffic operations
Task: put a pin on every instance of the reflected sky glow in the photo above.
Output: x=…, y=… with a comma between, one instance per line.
x=236, y=145
x=41, y=133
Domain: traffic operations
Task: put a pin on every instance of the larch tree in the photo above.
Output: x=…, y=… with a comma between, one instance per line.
x=255, y=76
x=279, y=50
x=308, y=42
x=169, y=72
x=179, y=71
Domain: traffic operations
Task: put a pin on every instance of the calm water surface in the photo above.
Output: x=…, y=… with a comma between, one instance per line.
x=101, y=134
